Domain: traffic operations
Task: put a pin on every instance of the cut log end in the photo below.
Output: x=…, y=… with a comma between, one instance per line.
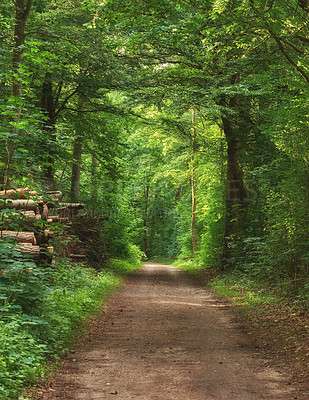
x=20, y=237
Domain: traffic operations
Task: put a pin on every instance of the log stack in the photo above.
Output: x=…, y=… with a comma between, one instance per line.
x=88, y=245
x=21, y=210
x=88, y=229
x=65, y=213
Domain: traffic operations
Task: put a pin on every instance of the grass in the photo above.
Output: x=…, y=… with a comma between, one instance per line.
x=160, y=260
x=243, y=290
x=188, y=265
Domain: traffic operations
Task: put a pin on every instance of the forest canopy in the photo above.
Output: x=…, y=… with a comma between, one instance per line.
x=186, y=122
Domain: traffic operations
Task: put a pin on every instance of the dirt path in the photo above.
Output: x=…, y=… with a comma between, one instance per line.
x=165, y=337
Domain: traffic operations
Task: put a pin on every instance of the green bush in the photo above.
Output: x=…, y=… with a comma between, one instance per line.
x=21, y=355
x=132, y=262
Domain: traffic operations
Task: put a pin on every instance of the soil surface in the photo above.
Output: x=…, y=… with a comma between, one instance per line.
x=165, y=337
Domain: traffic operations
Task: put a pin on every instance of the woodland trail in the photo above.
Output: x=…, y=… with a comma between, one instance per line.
x=165, y=337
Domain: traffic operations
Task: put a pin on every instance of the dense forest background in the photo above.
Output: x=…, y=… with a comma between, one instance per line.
x=185, y=122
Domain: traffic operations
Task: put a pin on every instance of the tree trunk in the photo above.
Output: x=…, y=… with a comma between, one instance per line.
x=22, y=10
x=145, y=239
x=94, y=189
x=77, y=160
x=48, y=107
x=76, y=168
x=236, y=192
x=193, y=184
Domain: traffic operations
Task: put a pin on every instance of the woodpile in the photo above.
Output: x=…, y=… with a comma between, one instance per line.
x=20, y=220
x=89, y=232
x=21, y=210
x=19, y=193
x=65, y=213
x=33, y=252
x=29, y=205
x=20, y=237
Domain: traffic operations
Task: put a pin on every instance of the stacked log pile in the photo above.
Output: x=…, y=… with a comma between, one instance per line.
x=86, y=243
x=67, y=211
x=89, y=231
x=85, y=233
x=64, y=213
x=21, y=211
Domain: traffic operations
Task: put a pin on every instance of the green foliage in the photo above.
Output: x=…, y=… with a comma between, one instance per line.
x=76, y=292
x=189, y=265
x=219, y=6
x=21, y=355
x=21, y=282
x=129, y=264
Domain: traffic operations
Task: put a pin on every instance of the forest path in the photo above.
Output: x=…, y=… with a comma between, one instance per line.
x=165, y=337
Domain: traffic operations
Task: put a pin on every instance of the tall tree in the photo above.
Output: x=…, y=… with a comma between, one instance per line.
x=77, y=159
x=193, y=182
x=22, y=11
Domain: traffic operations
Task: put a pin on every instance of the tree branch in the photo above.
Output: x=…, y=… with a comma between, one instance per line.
x=267, y=7
x=62, y=107
x=287, y=56
x=302, y=38
x=107, y=109
x=300, y=51
x=58, y=93
x=28, y=8
x=62, y=38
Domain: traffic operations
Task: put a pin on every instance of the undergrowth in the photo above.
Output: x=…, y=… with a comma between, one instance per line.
x=41, y=308
x=244, y=288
